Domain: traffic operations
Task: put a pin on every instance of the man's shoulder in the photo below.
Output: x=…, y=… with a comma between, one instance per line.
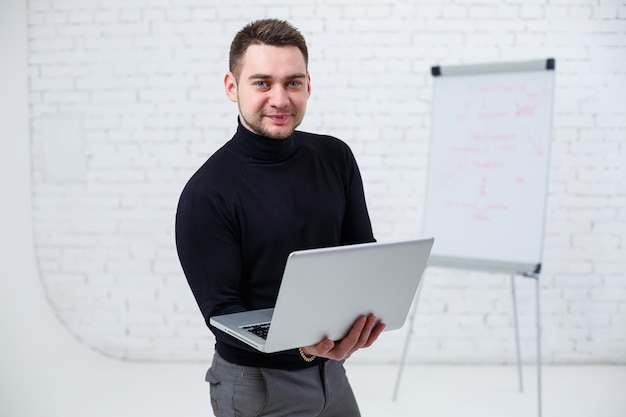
x=321, y=142
x=221, y=168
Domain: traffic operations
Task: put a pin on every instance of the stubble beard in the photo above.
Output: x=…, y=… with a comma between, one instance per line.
x=256, y=126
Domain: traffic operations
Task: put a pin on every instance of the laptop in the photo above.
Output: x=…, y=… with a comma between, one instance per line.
x=324, y=291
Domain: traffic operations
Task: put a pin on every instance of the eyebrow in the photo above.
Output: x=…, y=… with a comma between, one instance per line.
x=268, y=77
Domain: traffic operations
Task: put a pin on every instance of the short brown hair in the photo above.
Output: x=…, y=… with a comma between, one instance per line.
x=271, y=32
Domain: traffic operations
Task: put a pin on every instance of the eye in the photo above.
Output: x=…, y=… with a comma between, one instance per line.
x=260, y=84
x=294, y=84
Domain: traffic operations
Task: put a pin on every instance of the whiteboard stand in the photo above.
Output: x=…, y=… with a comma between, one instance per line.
x=535, y=276
x=487, y=177
x=517, y=344
x=407, y=340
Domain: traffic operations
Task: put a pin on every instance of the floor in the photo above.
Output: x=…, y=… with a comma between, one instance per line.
x=490, y=391
x=103, y=387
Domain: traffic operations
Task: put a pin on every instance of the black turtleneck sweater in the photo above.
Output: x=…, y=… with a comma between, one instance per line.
x=252, y=203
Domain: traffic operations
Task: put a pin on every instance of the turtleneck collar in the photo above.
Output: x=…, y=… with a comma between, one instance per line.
x=261, y=147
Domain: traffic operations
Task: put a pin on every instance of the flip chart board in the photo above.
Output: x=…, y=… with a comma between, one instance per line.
x=488, y=165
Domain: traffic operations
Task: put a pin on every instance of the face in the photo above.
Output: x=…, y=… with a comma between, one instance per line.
x=272, y=90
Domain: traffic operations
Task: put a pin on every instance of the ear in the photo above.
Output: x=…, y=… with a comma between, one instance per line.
x=308, y=84
x=230, y=87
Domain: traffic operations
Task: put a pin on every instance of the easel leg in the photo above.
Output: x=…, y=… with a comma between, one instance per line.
x=517, y=344
x=535, y=276
x=407, y=341
x=538, y=345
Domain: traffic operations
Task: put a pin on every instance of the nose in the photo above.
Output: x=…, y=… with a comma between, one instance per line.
x=279, y=97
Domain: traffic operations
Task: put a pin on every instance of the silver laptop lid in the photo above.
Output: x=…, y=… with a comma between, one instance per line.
x=324, y=290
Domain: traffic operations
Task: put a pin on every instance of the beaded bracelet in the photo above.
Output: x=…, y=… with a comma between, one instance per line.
x=305, y=357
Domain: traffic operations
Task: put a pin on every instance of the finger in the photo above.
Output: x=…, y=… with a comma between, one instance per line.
x=366, y=334
x=372, y=321
x=320, y=349
x=344, y=348
x=358, y=336
x=380, y=327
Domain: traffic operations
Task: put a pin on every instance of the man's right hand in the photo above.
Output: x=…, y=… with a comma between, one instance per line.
x=363, y=334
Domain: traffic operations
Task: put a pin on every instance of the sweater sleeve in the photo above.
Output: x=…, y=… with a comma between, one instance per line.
x=208, y=249
x=356, y=226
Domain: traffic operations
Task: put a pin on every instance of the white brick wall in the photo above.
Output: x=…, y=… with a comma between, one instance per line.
x=143, y=79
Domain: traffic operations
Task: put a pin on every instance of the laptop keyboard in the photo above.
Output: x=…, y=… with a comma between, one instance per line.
x=258, y=329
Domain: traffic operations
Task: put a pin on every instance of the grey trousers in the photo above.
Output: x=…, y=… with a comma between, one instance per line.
x=241, y=391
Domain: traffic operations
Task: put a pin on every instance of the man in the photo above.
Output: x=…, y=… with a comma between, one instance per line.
x=268, y=191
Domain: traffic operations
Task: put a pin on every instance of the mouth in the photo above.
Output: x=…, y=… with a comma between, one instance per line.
x=279, y=119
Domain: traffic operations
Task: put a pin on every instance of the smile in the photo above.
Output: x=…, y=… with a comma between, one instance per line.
x=279, y=118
